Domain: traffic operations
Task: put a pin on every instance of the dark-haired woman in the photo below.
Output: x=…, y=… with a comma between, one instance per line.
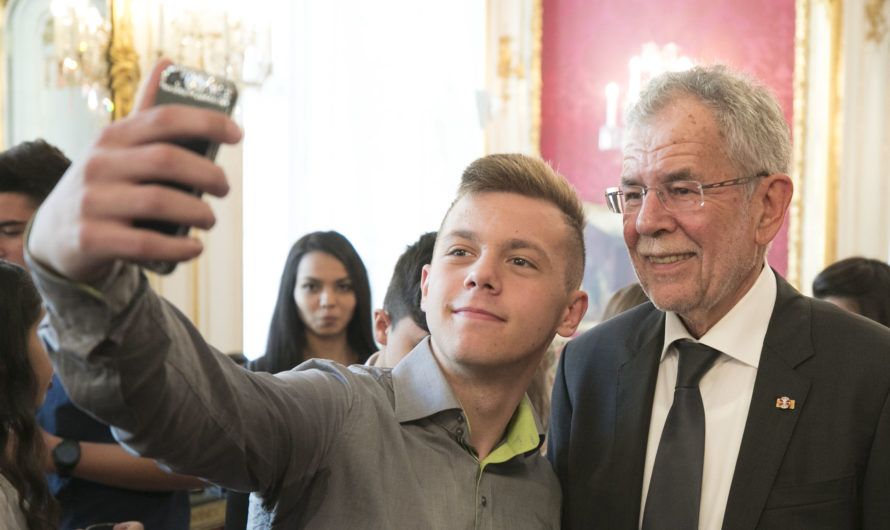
x=25, y=375
x=323, y=312
x=324, y=306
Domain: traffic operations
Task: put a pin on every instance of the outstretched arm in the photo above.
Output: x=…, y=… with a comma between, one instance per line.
x=133, y=360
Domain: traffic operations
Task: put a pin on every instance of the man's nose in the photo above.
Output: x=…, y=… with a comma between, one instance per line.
x=483, y=274
x=653, y=216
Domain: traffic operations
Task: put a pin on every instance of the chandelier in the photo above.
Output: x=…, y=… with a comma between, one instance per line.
x=100, y=44
x=81, y=35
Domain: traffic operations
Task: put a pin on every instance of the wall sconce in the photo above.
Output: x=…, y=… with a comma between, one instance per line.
x=652, y=61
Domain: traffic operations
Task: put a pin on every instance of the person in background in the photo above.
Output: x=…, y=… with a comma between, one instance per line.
x=859, y=285
x=627, y=297
x=323, y=309
x=401, y=324
x=25, y=376
x=541, y=388
x=28, y=173
x=323, y=312
x=94, y=479
x=731, y=400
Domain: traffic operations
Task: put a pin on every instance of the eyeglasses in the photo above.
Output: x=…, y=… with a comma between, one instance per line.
x=676, y=196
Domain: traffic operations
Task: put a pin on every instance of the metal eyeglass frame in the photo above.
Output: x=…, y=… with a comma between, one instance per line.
x=616, y=205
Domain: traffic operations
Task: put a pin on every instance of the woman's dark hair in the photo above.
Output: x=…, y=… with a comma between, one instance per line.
x=21, y=446
x=287, y=332
x=863, y=280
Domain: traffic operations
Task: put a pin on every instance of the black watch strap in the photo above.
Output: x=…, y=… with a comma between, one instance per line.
x=66, y=455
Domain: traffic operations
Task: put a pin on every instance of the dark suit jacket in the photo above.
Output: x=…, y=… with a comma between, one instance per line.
x=824, y=464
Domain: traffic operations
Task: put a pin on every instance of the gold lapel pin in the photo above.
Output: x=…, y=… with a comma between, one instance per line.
x=784, y=403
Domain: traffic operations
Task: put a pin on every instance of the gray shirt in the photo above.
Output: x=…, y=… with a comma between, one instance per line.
x=326, y=446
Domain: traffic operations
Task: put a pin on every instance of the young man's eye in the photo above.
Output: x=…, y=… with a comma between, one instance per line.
x=522, y=262
x=458, y=252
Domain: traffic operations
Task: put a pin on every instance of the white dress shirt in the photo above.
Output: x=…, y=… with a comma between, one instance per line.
x=726, y=391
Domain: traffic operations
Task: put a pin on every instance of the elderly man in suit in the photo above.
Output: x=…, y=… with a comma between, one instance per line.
x=731, y=400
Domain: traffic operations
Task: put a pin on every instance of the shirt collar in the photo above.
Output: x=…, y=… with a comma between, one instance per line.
x=419, y=386
x=741, y=331
x=420, y=391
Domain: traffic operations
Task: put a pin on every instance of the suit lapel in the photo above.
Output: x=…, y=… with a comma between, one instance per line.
x=768, y=428
x=636, y=389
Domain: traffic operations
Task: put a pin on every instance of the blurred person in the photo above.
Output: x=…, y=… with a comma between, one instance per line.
x=28, y=172
x=25, y=376
x=859, y=285
x=401, y=324
x=623, y=299
x=324, y=306
x=730, y=401
x=93, y=478
x=328, y=446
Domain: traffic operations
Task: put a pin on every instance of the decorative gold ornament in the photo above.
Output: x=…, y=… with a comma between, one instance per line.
x=506, y=69
x=124, y=73
x=877, y=22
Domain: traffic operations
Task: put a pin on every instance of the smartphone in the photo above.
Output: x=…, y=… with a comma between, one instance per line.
x=180, y=85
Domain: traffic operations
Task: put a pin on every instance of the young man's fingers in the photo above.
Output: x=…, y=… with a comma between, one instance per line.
x=126, y=203
x=160, y=162
x=167, y=123
x=111, y=240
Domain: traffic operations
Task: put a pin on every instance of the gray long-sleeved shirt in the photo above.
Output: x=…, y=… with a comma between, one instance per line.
x=329, y=446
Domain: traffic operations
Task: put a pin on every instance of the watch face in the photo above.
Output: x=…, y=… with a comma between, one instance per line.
x=67, y=452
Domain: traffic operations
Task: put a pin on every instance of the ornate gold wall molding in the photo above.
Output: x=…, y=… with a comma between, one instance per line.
x=535, y=75
x=877, y=22
x=123, y=60
x=799, y=128
x=835, y=125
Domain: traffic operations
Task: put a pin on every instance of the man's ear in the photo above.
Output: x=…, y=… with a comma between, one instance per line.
x=424, y=285
x=774, y=201
x=573, y=313
x=381, y=325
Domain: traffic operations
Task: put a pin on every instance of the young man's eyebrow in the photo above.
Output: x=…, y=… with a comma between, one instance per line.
x=469, y=235
x=521, y=244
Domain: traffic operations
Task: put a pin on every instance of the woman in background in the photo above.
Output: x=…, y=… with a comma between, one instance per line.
x=860, y=285
x=323, y=312
x=324, y=306
x=25, y=375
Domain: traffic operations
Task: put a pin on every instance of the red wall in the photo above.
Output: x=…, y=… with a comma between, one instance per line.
x=588, y=43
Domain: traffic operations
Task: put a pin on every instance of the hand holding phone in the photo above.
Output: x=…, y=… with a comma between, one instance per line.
x=179, y=85
x=85, y=225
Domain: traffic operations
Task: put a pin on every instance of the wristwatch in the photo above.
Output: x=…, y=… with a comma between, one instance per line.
x=66, y=455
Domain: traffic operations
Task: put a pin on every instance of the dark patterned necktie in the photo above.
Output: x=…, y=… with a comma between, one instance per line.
x=675, y=487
